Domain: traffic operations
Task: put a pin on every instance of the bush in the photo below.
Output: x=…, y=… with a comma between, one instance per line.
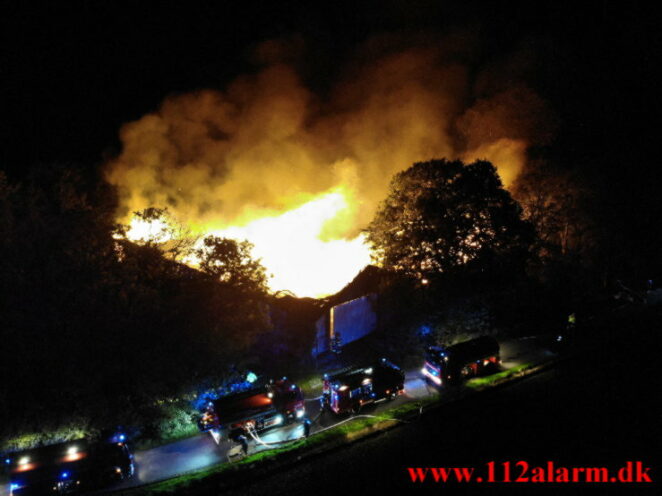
x=75, y=430
x=173, y=420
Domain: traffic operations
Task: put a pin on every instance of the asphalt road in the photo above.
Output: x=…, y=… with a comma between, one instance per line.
x=201, y=451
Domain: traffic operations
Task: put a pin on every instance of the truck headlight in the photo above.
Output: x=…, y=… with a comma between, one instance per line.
x=300, y=413
x=278, y=420
x=216, y=435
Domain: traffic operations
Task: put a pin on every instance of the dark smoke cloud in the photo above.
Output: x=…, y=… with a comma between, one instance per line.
x=268, y=143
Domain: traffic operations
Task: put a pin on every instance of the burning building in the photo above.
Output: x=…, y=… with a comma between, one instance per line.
x=298, y=173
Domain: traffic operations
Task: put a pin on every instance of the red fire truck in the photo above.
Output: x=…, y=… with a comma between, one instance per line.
x=258, y=409
x=460, y=361
x=349, y=389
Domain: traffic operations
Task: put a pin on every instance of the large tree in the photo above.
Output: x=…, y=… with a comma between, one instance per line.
x=557, y=204
x=443, y=216
x=231, y=262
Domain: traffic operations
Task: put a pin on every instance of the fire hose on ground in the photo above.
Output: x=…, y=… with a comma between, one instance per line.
x=253, y=433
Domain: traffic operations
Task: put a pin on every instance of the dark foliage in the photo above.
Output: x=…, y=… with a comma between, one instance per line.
x=98, y=331
x=443, y=217
x=459, y=253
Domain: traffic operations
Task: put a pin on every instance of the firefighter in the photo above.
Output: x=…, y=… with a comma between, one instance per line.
x=306, y=427
x=241, y=439
x=564, y=340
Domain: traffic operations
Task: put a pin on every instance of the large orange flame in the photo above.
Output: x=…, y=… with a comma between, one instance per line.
x=291, y=245
x=292, y=248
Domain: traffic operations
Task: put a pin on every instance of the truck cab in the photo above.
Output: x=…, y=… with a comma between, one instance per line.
x=349, y=389
x=258, y=409
x=452, y=364
x=287, y=398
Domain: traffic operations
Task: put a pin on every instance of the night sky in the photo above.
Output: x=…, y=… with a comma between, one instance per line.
x=73, y=72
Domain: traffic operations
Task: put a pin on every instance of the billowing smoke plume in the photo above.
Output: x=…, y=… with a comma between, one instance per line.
x=267, y=143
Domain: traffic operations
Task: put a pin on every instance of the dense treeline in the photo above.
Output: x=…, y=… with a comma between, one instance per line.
x=98, y=331
x=466, y=257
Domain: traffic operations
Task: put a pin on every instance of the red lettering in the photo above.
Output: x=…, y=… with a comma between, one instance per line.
x=537, y=474
x=595, y=474
x=463, y=474
x=625, y=474
x=417, y=474
x=490, y=471
x=562, y=475
x=575, y=473
x=642, y=476
x=440, y=474
x=525, y=469
x=630, y=472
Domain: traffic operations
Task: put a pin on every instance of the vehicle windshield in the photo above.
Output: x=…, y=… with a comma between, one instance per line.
x=434, y=355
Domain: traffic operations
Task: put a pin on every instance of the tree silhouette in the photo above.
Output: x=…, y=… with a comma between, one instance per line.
x=230, y=262
x=444, y=216
x=98, y=330
x=162, y=230
x=555, y=202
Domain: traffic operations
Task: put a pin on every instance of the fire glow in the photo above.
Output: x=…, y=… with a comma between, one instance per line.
x=298, y=173
x=142, y=230
x=291, y=245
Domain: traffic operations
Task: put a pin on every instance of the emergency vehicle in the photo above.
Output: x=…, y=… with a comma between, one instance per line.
x=69, y=467
x=460, y=361
x=349, y=389
x=258, y=409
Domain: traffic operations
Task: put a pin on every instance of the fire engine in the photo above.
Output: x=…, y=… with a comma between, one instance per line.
x=258, y=409
x=460, y=361
x=349, y=389
x=69, y=467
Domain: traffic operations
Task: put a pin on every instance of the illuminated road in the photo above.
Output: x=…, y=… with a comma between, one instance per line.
x=201, y=451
